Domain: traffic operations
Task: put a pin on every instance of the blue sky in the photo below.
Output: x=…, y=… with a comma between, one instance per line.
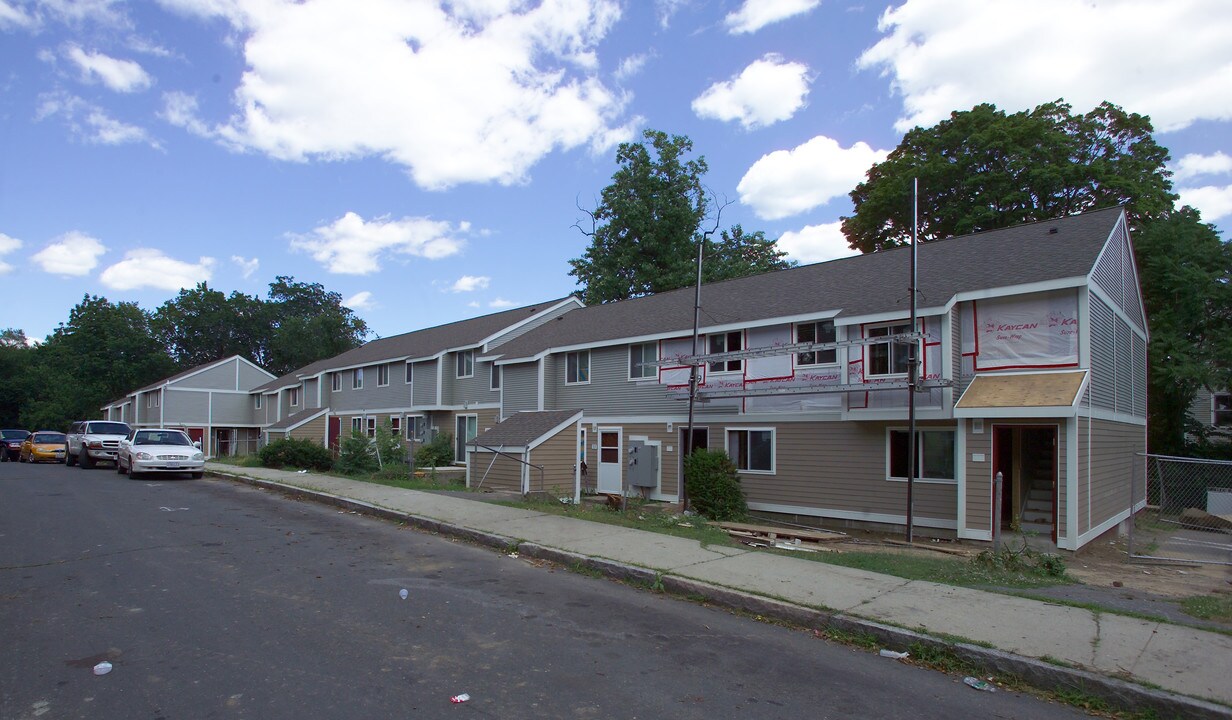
x=426, y=160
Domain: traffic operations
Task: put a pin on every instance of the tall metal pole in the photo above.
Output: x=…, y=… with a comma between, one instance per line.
x=687, y=445
x=912, y=362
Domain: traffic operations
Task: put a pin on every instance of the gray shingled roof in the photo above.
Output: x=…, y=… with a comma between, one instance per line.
x=294, y=419
x=293, y=377
x=524, y=428
x=860, y=285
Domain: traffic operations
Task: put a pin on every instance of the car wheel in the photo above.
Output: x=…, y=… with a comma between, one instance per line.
x=119, y=466
x=70, y=459
x=85, y=461
x=198, y=475
x=132, y=472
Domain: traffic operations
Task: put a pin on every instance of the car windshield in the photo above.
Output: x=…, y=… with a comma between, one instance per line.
x=14, y=434
x=163, y=437
x=49, y=437
x=107, y=428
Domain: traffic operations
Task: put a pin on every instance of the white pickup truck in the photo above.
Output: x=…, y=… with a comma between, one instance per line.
x=90, y=441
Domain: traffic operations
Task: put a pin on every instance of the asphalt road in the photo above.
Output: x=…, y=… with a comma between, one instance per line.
x=217, y=600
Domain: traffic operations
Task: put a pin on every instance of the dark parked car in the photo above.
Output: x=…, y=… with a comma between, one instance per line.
x=10, y=444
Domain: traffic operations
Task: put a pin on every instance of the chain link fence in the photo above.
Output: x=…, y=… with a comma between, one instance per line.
x=1188, y=513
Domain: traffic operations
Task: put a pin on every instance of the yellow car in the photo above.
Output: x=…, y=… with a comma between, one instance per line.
x=43, y=445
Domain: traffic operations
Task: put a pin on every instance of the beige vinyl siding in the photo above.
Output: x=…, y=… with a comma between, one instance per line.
x=979, y=479
x=313, y=430
x=669, y=460
x=556, y=455
x=841, y=467
x=493, y=471
x=1113, y=466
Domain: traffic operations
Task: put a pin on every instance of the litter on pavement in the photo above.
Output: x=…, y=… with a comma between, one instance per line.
x=403, y=593
x=893, y=654
x=102, y=668
x=460, y=698
x=979, y=684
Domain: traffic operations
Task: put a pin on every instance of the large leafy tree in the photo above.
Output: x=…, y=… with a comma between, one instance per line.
x=645, y=228
x=202, y=325
x=104, y=351
x=1188, y=269
x=15, y=361
x=982, y=169
x=308, y=323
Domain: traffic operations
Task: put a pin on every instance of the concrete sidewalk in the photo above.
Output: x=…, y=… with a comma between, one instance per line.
x=1049, y=645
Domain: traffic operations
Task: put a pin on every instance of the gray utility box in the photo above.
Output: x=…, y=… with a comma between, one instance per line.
x=643, y=465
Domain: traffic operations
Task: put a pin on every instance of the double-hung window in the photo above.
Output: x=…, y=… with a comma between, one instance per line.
x=357, y=424
x=357, y=379
x=335, y=382
x=410, y=372
x=257, y=402
x=887, y=358
x=495, y=382
x=725, y=342
x=382, y=375
x=371, y=426
x=642, y=359
x=934, y=455
x=465, y=364
x=415, y=427
x=816, y=332
x=577, y=367
x=293, y=396
x=751, y=449
x=1221, y=409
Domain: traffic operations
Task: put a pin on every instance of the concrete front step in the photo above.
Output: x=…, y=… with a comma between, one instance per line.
x=1039, y=528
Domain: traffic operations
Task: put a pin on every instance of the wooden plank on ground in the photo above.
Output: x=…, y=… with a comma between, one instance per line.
x=779, y=532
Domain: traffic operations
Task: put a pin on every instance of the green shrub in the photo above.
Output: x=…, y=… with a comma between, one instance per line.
x=714, y=485
x=390, y=447
x=438, y=453
x=356, y=454
x=289, y=452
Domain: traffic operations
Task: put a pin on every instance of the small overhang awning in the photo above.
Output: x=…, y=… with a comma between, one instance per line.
x=1029, y=395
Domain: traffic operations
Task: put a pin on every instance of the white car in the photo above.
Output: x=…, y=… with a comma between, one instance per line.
x=159, y=450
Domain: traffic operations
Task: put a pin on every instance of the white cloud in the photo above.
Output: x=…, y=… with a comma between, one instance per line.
x=352, y=246
x=454, y=92
x=1193, y=165
x=247, y=267
x=816, y=243
x=756, y=14
x=767, y=91
x=123, y=76
x=15, y=17
x=947, y=55
x=74, y=253
x=787, y=182
x=631, y=66
x=147, y=268
x=360, y=301
x=180, y=109
x=91, y=122
x=7, y=245
x=1212, y=201
x=501, y=303
x=473, y=304
x=470, y=283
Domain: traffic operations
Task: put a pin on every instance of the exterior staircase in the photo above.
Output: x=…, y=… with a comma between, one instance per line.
x=1037, y=510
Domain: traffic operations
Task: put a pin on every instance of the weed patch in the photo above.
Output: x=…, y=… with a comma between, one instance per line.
x=1208, y=607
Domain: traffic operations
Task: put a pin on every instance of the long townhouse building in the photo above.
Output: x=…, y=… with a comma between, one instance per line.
x=1033, y=347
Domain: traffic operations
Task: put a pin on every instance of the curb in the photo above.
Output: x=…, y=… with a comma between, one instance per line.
x=1120, y=694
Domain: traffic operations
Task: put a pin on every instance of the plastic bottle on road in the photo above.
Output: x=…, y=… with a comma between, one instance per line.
x=979, y=684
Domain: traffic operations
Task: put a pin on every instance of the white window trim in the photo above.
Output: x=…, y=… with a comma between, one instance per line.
x=774, y=447
x=457, y=417
x=795, y=357
x=458, y=360
x=335, y=382
x=921, y=430
x=410, y=372
x=408, y=424
x=357, y=423
x=579, y=353
x=868, y=348
x=653, y=369
x=395, y=425
x=370, y=426
x=1215, y=409
x=257, y=403
x=293, y=397
x=357, y=379
x=382, y=369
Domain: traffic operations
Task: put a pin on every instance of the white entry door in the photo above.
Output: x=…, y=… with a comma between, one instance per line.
x=611, y=460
